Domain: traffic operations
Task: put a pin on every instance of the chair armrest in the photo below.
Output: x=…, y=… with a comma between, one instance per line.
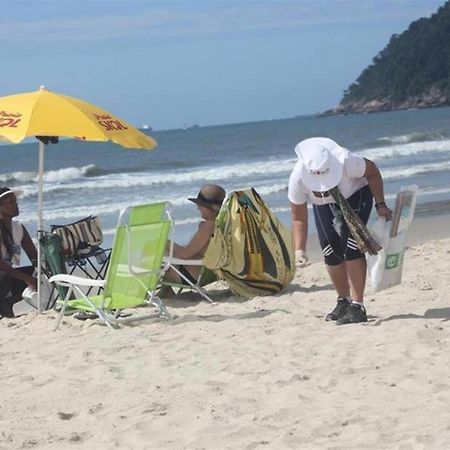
x=184, y=262
x=78, y=281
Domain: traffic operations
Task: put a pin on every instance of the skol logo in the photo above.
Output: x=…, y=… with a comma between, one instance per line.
x=109, y=123
x=392, y=261
x=10, y=120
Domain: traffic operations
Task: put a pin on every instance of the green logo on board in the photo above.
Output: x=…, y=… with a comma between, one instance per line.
x=392, y=261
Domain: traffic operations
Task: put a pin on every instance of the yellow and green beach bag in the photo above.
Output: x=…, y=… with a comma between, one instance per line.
x=251, y=250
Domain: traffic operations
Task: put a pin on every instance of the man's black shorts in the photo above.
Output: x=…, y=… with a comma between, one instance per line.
x=337, y=244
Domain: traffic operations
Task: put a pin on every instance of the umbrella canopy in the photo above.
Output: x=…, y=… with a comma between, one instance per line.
x=48, y=114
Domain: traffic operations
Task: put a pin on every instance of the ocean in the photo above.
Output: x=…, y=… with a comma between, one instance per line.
x=85, y=178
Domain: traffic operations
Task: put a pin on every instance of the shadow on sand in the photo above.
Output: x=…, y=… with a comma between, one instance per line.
x=190, y=298
x=294, y=287
x=434, y=313
x=221, y=317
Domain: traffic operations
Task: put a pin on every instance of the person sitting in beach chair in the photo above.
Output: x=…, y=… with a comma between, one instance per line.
x=13, y=238
x=209, y=201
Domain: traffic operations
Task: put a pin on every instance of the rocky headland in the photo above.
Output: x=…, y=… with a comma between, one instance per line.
x=432, y=99
x=412, y=71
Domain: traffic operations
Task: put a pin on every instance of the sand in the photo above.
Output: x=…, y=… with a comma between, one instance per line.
x=268, y=373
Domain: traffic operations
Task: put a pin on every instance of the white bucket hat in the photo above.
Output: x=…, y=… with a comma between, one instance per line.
x=322, y=163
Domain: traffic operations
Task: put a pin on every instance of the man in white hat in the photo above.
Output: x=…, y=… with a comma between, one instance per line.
x=322, y=165
x=13, y=237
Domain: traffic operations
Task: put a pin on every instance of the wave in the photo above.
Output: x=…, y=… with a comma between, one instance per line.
x=407, y=171
x=70, y=173
x=272, y=189
x=99, y=207
x=91, y=178
x=234, y=176
x=64, y=214
x=67, y=215
x=409, y=149
x=18, y=177
x=409, y=138
x=59, y=175
x=230, y=173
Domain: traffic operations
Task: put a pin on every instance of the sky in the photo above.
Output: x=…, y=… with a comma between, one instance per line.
x=171, y=64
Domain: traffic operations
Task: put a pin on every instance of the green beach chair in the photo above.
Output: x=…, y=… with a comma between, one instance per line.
x=135, y=268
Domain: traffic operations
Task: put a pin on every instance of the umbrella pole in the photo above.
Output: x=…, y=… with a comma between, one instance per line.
x=40, y=225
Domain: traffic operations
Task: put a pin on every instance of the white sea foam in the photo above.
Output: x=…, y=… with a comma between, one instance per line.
x=272, y=189
x=97, y=207
x=232, y=175
x=141, y=179
x=412, y=137
x=106, y=195
x=66, y=215
x=407, y=171
x=409, y=149
x=68, y=173
x=100, y=207
x=21, y=177
x=221, y=173
x=81, y=209
x=264, y=189
x=74, y=179
x=51, y=176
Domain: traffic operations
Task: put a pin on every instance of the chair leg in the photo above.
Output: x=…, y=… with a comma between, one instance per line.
x=204, y=294
x=197, y=288
x=152, y=299
x=114, y=320
x=156, y=301
x=164, y=312
x=63, y=309
x=101, y=315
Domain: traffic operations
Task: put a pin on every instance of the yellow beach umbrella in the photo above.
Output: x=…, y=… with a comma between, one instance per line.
x=48, y=115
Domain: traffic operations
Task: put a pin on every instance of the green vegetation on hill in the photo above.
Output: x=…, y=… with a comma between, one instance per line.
x=413, y=70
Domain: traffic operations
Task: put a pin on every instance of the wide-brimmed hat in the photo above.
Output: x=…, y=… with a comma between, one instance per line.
x=4, y=191
x=210, y=196
x=322, y=163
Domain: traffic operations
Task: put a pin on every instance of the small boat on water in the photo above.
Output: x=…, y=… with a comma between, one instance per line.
x=188, y=127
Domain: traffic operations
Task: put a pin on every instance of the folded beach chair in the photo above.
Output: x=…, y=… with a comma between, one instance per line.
x=135, y=268
x=54, y=264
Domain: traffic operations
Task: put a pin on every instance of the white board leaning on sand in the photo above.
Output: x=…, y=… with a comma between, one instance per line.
x=385, y=268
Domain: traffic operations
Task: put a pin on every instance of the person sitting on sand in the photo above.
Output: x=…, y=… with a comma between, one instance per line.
x=208, y=201
x=13, y=238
